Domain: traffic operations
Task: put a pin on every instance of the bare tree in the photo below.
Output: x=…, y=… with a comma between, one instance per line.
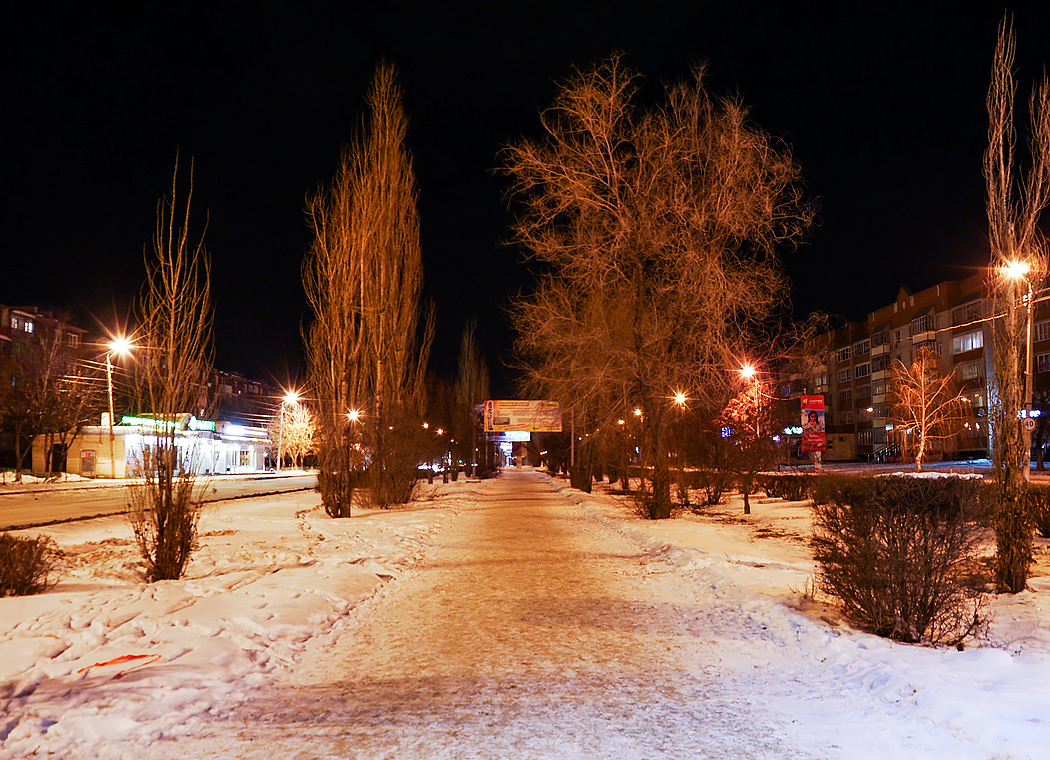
x=472, y=388
x=175, y=332
x=363, y=277
x=50, y=395
x=1015, y=239
x=298, y=436
x=755, y=418
x=658, y=229
x=928, y=406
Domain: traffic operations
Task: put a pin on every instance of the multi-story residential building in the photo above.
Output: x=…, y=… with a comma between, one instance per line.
x=951, y=319
x=34, y=345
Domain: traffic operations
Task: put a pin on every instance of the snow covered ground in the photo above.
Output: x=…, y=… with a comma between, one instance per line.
x=275, y=578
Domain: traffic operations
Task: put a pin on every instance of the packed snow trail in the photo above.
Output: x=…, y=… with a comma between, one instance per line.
x=530, y=632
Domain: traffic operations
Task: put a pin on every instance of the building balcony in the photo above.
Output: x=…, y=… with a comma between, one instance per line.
x=924, y=337
x=880, y=350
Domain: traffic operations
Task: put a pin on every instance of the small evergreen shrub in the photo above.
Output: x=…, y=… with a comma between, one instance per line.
x=899, y=555
x=26, y=564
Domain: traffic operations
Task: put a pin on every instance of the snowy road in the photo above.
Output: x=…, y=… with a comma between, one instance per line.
x=528, y=633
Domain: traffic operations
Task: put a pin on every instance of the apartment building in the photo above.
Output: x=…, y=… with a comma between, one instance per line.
x=951, y=319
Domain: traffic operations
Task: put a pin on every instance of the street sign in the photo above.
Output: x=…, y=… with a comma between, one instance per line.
x=1028, y=423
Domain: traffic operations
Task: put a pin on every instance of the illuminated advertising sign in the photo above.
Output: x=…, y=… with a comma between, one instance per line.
x=533, y=416
x=813, y=438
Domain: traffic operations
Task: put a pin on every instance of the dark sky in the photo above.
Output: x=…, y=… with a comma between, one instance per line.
x=883, y=108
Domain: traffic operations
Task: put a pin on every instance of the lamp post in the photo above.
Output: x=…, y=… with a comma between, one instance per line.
x=291, y=397
x=120, y=346
x=1019, y=270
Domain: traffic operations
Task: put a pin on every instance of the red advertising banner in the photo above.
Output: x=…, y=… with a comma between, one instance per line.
x=813, y=438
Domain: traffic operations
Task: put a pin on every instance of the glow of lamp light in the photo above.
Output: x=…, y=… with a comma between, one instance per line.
x=120, y=345
x=1015, y=270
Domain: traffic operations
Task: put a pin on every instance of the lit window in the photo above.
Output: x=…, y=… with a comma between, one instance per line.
x=15, y=322
x=27, y=325
x=967, y=341
x=878, y=387
x=972, y=370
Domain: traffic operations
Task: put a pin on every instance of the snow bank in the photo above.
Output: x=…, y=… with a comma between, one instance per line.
x=859, y=694
x=271, y=574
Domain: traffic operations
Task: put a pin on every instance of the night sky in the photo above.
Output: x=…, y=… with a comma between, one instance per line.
x=883, y=109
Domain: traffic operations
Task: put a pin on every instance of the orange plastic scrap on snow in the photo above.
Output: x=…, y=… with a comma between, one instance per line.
x=147, y=659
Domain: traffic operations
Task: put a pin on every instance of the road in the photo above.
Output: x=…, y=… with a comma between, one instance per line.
x=45, y=504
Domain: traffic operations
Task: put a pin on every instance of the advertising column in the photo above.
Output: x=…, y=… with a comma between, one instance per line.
x=813, y=438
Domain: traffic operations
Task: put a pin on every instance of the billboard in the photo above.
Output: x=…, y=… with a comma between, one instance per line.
x=813, y=438
x=534, y=416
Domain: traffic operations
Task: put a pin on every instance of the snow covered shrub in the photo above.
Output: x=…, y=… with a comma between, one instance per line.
x=26, y=564
x=164, y=510
x=1038, y=498
x=899, y=554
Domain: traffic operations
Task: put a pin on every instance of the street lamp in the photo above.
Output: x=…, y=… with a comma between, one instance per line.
x=121, y=346
x=1019, y=270
x=291, y=397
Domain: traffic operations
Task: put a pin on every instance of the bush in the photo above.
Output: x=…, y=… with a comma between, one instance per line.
x=714, y=484
x=789, y=487
x=896, y=551
x=1038, y=498
x=26, y=564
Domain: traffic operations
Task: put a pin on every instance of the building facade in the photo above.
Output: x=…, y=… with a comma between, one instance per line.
x=206, y=447
x=853, y=368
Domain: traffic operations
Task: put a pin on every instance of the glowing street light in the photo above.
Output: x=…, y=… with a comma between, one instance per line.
x=1019, y=270
x=1016, y=270
x=680, y=399
x=748, y=372
x=290, y=398
x=121, y=346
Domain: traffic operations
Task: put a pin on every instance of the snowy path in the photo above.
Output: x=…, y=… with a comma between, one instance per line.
x=528, y=633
